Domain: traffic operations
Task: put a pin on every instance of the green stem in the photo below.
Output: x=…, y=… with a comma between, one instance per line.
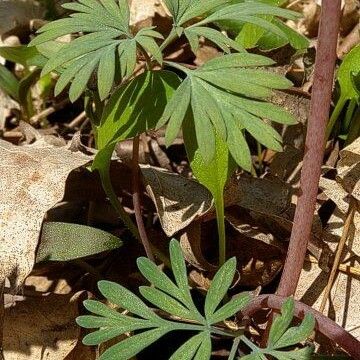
x=349, y=114
x=334, y=116
x=220, y=218
x=171, y=37
x=354, y=131
x=247, y=342
x=234, y=348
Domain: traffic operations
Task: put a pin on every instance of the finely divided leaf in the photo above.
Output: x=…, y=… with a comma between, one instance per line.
x=106, y=37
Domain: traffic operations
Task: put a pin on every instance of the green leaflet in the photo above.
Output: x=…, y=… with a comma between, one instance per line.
x=9, y=83
x=24, y=55
x=252, y=35
x=63, y=242
x=219, y=286
x=213, y=175
x=348, y=91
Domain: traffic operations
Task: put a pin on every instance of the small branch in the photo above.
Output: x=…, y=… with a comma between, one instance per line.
x=339, y=251
x=324, y=325
x=137, y=201
x=50, y=110
x=2, y=319
x=315, y=145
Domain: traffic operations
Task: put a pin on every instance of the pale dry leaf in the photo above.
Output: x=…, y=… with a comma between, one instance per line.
x=6, y=105
x=190, y=242
x=178, y=200
x=141, y=10
x=343, y=305
x=349, y=169
x=32, y=181
x=40, y=327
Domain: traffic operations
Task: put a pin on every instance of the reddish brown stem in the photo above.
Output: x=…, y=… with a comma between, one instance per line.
x=314, y=147
x=137, y=200
x=324, y=325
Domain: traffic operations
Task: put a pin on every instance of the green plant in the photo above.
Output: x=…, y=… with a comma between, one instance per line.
x=349, y=93
x=179, y=313
x=207, y=100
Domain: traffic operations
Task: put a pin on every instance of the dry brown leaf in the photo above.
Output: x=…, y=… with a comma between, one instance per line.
x=343, y=306
x=6, y=104
x=40, y=327
x=349, y=169
x=190, y=242
x=268, y=196
x=178, y=200
x=32, y=181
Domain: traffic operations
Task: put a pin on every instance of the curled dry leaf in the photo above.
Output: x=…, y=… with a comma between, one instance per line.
x=32, y=181
x=178, y=200
x=343, y=306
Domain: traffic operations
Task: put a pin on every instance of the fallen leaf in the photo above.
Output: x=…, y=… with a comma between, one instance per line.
x=33, y=180
x=343, y=305
x=40, y=327
x=178, y=200
x=349, y=169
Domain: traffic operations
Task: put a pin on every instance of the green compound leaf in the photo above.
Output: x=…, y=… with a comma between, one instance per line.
x=135, y=107
x=282, y=338
x=173, y=298
x=9, y=83
x=166, y=303
x=63, y=242
x=107, y=38
x=350, y=65
x=219, y=105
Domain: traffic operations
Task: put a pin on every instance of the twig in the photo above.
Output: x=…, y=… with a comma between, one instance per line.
x=324, y=325
x=50, y=110
x=350, y=270
x=2, y=319
x=315, y=145
x=77, y=121
x=136, y=200
x=339, y=251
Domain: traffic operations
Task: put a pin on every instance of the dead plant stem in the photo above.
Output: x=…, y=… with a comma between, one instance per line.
x=137, y=200
x=339, y=251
